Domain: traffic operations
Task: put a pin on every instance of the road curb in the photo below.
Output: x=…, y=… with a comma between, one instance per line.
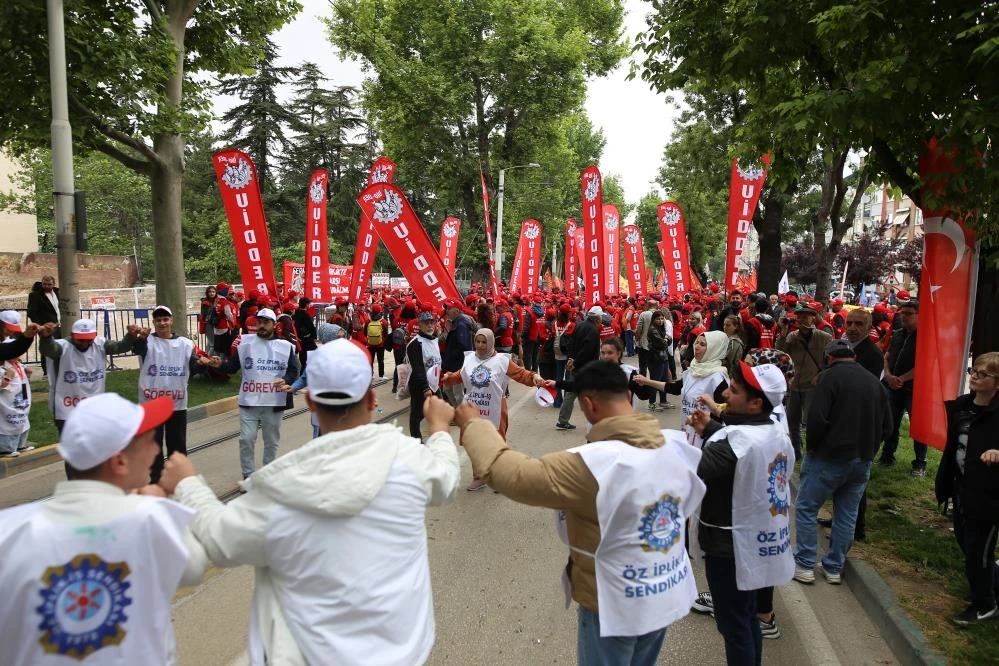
x=878, y=600
x=47, y=454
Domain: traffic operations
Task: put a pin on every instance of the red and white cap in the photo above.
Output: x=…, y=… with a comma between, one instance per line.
x=768, y=379
x=338, y=373
x=544, y=397
x=101, y=426
x=11, y=321
x=84, y=329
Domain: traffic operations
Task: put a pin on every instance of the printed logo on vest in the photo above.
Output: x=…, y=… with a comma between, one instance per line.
x=152, y=370
x=83, y=606
x=69, y=377
x=777, y=487
x=248, y=363
x=480, y=377
x=660, y=529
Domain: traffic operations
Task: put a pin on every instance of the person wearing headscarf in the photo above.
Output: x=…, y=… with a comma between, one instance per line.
x=486, y=374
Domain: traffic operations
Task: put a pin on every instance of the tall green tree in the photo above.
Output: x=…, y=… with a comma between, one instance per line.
x=138, y=73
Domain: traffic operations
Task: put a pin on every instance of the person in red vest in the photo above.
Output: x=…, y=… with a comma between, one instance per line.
x=822, y=322
x=838, y=317
x=504, y=330
x=761, y=328
x=227, y=318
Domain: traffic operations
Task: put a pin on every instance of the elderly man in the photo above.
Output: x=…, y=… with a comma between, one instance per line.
x=858, y=326
x=585, y=348
x=805, y=347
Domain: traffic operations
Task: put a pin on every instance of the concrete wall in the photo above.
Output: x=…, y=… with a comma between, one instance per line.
x=19, y=231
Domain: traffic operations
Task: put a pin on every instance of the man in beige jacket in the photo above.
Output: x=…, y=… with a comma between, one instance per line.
x=644, y=575
x=806, y=347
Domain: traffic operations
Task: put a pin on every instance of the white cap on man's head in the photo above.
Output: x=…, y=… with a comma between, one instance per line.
x=84, y=329
x=11, y=321
x=595, y=311
x=266, y=313
x=768, y=379
x=163, y=310
x=101, y=426
x=338, y=373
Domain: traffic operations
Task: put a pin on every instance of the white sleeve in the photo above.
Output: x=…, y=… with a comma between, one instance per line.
x=436, y=465
x=231, y=534
x=197, y=560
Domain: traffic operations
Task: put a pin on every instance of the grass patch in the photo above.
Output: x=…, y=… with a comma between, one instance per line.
x=912, y=546
x=125, y=383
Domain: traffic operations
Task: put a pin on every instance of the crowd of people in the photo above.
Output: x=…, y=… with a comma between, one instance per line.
x=760, y=383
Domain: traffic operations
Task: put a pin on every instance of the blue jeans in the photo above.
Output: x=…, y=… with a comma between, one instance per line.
x=735, y=613
x=268, y=420
x=901, y=402
x=629, y=343
x=845, y=481
x=592, y=650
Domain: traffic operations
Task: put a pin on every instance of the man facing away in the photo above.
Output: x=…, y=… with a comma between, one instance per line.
x=335, y=529
x=620, y=516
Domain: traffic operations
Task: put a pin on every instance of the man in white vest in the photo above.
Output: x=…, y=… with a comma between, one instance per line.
x=264, y=359
x=619, y=514
x=88, y=576
x=335, y=529
x=167, y=363
x=76, y=366
x=743, y=528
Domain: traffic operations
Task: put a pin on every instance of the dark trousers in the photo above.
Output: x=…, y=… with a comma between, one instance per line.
x=643, y=360
x=223, y=343
x=977, y=539
x=765, y=601
x=559, y=374
x=629, y=342
x=174, y=431
x=531, y=355
x=901, y=402
x=416, y=401
x=735, y=613
x=378, y=354
x=657, y=371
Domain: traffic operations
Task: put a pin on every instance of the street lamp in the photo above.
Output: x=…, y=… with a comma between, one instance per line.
x=499, y=214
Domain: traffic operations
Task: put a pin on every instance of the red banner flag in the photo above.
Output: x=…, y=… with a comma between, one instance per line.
x=946, y=300
x=675, y=251
x=337, y=282
x=382, y=170
x=408, y=243
x=317, y=254
x=634, y=259
x=743, y=195
x=612, y=246
x=489, y=234
x=580, y=252
x=527, y=264
x=240, y=192
x=571, y=265
x=449, y=243
x=594, y=267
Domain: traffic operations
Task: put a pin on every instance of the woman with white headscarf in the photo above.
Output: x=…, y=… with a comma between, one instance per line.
x=706, y=375
x=486, y=374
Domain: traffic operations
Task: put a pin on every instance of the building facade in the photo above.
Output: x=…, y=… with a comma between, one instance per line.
x=20, y=231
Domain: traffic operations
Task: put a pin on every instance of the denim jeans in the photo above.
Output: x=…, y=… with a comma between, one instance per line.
x=268, y=420
x=629, y=343
x=901, y=403
x=735, y=613
x=845, y=481
x=11, y=443
x=592, y=650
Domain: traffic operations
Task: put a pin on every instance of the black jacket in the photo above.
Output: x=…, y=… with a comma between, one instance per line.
x=869, y=357
x=305, y=327
x=585, y=343
x=418, y=375
x=849, y=415
x=459, y=340
x=40, y=309
x=902, y=354
x=15, y=346
x=978, y=489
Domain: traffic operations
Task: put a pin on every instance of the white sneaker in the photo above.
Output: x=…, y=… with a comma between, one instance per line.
x=25, y=449
x=12, y=454
x=831, y=578
x=803, y=575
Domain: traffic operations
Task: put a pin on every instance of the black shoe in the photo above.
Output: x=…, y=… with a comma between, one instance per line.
x=564, y=426
x=886, y=462
x=825, y=522
x=971, y=616
x=860, y=536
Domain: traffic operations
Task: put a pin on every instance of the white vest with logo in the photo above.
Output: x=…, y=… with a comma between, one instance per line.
x=431, y=360
x=761, y=503
x=80, y=376
x=644, y=578
x=98, y=594
x=15, y=400
x=263, y=361
x=485, y=383
x=164, y=370
x=694, y=388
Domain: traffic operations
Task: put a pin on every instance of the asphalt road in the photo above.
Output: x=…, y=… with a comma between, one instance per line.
x=495, y=566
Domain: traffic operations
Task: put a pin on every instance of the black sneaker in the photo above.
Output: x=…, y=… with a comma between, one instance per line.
x=971, y=616
x=564, y=426
x=703, y=604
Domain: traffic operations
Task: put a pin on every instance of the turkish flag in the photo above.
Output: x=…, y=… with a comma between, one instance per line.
x=946, y=299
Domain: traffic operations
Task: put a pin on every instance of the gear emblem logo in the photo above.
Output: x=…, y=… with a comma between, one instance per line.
x=532, y=231
x=751, y=172
x=316, y=191
x=660, y=527
x=777, y=486
x=631, y=236
x=671, y=215
x=389, y=209
x=239, y=176
x=450, y=229
x=480, y=377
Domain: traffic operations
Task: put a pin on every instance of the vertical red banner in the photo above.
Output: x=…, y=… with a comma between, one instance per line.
x=674, y=248
x=571, y=265
x=529, y=252
x=946, y=301
x=743, y=195
x=244, y=210
x=449, y=243
x=634, y=259
x=408, y=242
x=493, y=281
x=317, y=254
x=612, y=246
x=382, y=171
x=518, y=258
x=594, y=269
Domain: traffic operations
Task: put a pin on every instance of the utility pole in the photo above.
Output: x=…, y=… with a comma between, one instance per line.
x=62, y=171
x=499, y=215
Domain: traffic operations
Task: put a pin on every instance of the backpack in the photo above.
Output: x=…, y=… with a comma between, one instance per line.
x=374, y=331
x=563, y=341
x=399, y=335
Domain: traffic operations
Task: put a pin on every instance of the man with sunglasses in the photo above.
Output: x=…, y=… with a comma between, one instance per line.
x=899, y=370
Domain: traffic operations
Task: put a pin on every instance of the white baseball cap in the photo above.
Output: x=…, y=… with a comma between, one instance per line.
x=101, y=426
x=162, y=308
x=84, y=329
x=266, y=313
x=544, y=396
x=342, y=368
x=11, y=321
x=767, y=378
x=595, y=311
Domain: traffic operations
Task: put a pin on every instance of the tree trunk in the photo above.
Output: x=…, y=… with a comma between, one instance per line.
x=823, y=271
x=768, y=229
x=165, y=184
x=985, y=330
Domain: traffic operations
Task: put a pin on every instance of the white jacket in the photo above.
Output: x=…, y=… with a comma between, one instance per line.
x=336, y=531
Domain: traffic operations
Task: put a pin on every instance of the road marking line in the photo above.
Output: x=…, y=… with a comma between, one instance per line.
x=241, y=660
x=806, y=623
